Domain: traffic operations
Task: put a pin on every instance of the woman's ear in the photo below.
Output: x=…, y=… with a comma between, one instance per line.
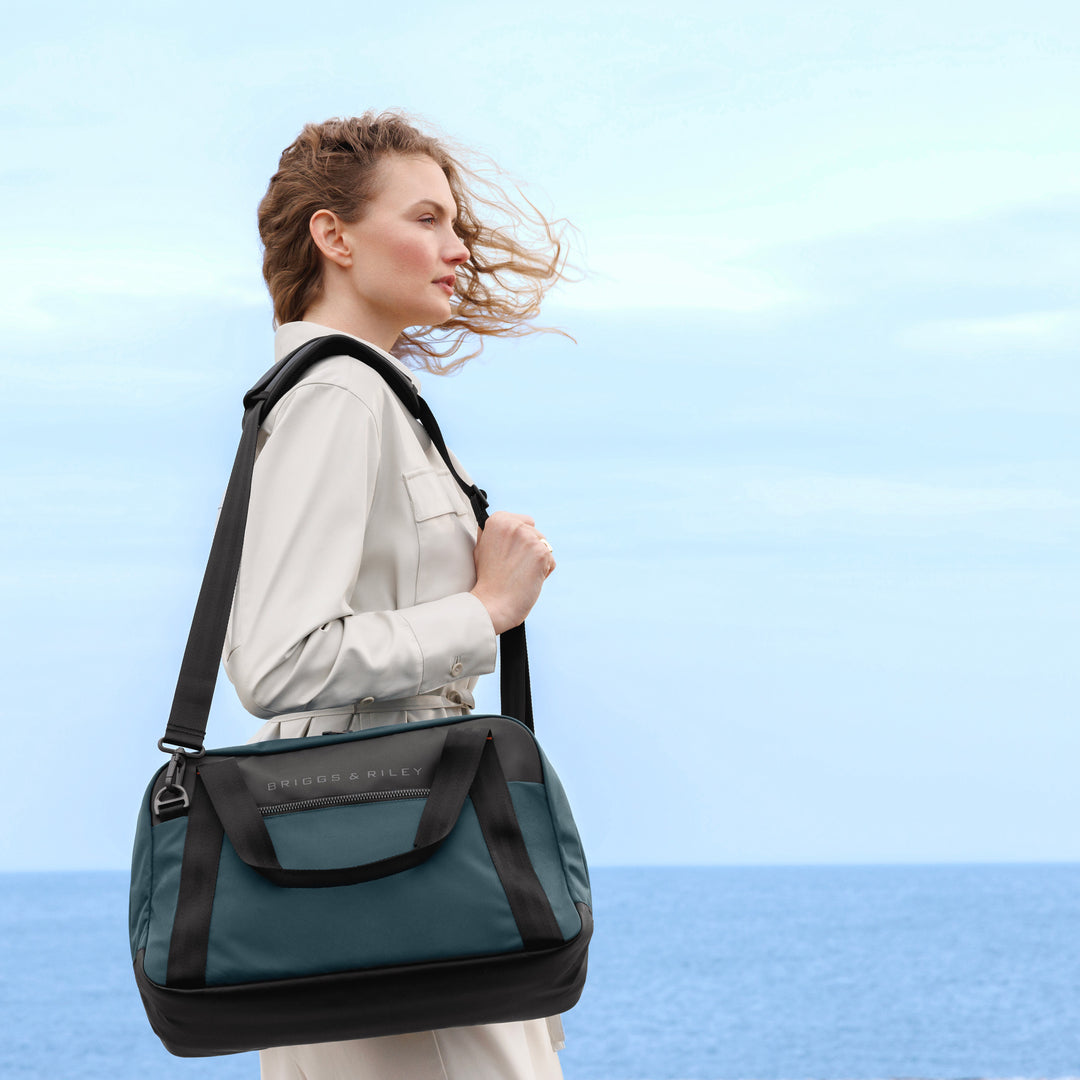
x=328, y=232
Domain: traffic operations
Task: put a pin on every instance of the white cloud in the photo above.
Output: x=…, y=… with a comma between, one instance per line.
x=872, y=496
x=710, y=503
x=41, y=291
x=663, y=270
x=915, y=187
x=1031, y=330
x=728, y=253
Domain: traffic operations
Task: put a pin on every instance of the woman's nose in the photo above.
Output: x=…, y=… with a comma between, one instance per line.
x=459, y=252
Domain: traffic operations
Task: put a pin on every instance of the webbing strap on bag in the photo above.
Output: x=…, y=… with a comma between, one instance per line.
x=186, y=728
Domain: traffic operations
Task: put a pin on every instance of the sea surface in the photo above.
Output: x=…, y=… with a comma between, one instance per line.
x=696, y=973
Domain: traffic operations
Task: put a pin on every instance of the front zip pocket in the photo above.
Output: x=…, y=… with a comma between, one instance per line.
x=344, y=800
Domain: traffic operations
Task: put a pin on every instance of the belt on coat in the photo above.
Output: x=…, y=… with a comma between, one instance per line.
x=366, y=713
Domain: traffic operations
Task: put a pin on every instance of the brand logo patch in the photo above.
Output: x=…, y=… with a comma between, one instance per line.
x=292, y=783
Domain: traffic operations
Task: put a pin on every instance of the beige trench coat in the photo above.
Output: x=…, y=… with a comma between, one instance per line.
x=352, y=610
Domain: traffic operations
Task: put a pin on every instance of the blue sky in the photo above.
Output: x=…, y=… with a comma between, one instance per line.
x=810, y=468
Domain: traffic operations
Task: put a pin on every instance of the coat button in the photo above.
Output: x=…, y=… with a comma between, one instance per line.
x=457, y=669
x=367, y=701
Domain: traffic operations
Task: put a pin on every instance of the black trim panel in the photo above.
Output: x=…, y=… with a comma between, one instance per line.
x=362, y=1004
x=404, y=757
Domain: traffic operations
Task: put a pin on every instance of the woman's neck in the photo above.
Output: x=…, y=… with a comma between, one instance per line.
x=326, y=312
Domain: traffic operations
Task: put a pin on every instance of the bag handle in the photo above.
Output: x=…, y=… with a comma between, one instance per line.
x=244, y=825
x=186, y=728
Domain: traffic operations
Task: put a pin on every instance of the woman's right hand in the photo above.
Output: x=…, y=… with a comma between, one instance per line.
x=512, y=562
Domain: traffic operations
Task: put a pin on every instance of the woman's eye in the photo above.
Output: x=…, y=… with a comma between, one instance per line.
x=430, y=218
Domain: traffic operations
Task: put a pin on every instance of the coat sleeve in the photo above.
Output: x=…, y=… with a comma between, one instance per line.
x=295, y=641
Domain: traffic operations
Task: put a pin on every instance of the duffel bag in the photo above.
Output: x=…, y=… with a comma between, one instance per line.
x=376, y=882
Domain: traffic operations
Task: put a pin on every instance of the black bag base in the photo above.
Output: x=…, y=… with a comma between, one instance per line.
x=364, y=1004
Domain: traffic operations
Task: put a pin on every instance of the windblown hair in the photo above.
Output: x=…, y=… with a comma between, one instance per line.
x=515, y=255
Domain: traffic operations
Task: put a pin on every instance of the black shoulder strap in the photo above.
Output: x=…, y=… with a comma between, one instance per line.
x=198, y=671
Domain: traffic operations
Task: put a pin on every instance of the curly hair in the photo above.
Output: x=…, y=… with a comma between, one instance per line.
x=334, y=166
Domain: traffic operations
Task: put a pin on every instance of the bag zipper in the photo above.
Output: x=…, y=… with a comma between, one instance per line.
x=342, y=800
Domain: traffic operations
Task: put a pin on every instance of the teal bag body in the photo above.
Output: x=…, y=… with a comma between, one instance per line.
x=491, y=924
x=377, y=882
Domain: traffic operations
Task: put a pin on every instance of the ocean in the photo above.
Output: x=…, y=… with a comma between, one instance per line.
x=696, y=973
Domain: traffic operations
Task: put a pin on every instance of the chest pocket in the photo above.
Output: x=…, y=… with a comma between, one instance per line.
x=445, y=534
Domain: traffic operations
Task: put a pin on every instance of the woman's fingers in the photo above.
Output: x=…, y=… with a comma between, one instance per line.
x=513, y=559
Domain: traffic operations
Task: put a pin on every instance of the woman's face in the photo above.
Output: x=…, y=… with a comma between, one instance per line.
x=405, y=250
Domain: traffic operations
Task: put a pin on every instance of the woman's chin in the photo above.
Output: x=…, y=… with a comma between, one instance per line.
x=434, y=319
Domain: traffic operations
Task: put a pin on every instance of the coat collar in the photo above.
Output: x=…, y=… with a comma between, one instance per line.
x=292, y=335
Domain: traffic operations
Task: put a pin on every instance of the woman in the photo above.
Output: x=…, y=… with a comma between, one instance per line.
x=365, y=596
